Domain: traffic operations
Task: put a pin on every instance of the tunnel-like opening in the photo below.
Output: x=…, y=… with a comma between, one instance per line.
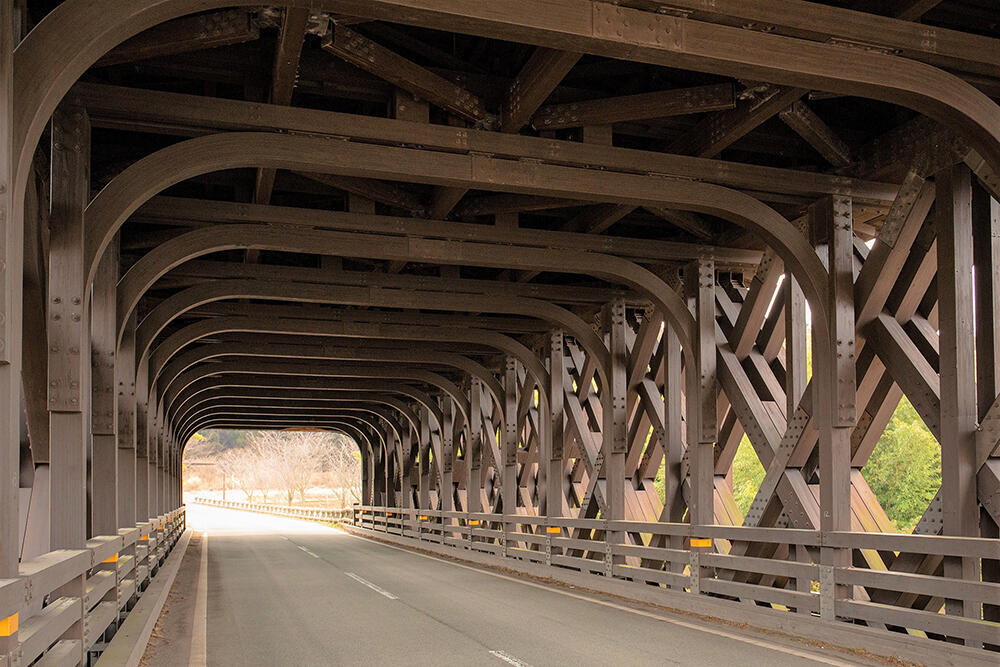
x=294, y=467
x=702, y=299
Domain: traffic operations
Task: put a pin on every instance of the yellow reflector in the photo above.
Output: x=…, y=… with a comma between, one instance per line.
x=8, y=626
x=423, y=518
x=701, y=541
x=473, y=522
x=144, y=538
x=112, y=559
x=553, y=530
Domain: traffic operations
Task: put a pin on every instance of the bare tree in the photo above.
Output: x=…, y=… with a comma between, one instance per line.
x=294, y=457
x=292, y=461
x=242, y=467
x=344, y=470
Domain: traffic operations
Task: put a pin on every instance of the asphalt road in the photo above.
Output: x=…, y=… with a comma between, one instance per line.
x=276, y=591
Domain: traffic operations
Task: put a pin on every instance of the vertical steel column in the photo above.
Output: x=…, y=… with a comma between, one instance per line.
x=986, y=251
x=511, y=435
x=614, y=422
x=447, y=490
x=176, y=478
x=141, y=444
x=11, y=272
x=700, y=377
x=67, y=328
x=383, y=464
x=153, y=452
x=795, y=345
x=832, y=226
x=391, y=448
x=125, y=381
x=543, y=440
x=474, y=455
x=170, y=454
x=409, y=470
x=369, y=468
x=168, y=461
x=986, y=256
x=104, y=465
x=168, y=465
x=510, y=438
x=425, y=453
x=673, y=445
x=959, y=412
x=555, y=479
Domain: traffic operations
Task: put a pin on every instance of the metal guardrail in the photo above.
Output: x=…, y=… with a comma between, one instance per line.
x=315, y=514
x=717, y=561
x=67, y=602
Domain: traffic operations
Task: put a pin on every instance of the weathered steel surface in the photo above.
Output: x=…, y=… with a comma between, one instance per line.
x=531, y=257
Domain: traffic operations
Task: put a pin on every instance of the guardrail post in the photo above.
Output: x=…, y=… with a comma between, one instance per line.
x=694, y=573
x=609, y=563
x=803, y=584
x=75, y=588
x=698, y=545
x=503, y=537
x=827, y=592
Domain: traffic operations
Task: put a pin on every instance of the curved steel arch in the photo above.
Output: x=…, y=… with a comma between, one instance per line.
x=214, y=326
x=200, y=355
x=211, y=412
x=174, y=306
x=76, y=33
x=211, y=382
x=303, y=371
x=358, y=434
x=203, y=353
x=292, y=381
x=346, y=411
x=346, y=424
x=261, y=409
x=303, y=397
x=248, y=422
x=168, y=166
x=136, y=184
x=221, y=420
x=141, y=276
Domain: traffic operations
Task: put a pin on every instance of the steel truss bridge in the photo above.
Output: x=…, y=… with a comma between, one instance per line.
x=528, y=255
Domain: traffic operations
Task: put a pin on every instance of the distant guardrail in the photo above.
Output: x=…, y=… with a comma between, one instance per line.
x=703, y=561
x=315, y=514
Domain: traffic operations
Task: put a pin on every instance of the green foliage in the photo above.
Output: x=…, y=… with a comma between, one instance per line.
x=661, y=484
x=904, y=471
x=213, y=442
x=748, y=473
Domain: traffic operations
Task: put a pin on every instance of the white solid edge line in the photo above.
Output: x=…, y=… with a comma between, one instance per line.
x=720, y=633
x=380, y=591
x=507, y=657
x=199, y=631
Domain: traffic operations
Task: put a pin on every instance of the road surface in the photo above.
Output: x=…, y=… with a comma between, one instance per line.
x=276, y=591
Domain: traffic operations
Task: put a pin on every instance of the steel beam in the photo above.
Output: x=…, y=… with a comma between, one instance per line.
x=104, y=394
x=68, y=331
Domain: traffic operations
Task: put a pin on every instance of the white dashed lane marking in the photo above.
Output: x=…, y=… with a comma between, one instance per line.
x=380, y=591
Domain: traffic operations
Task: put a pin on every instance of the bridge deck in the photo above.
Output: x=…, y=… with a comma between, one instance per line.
x=290, y=592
